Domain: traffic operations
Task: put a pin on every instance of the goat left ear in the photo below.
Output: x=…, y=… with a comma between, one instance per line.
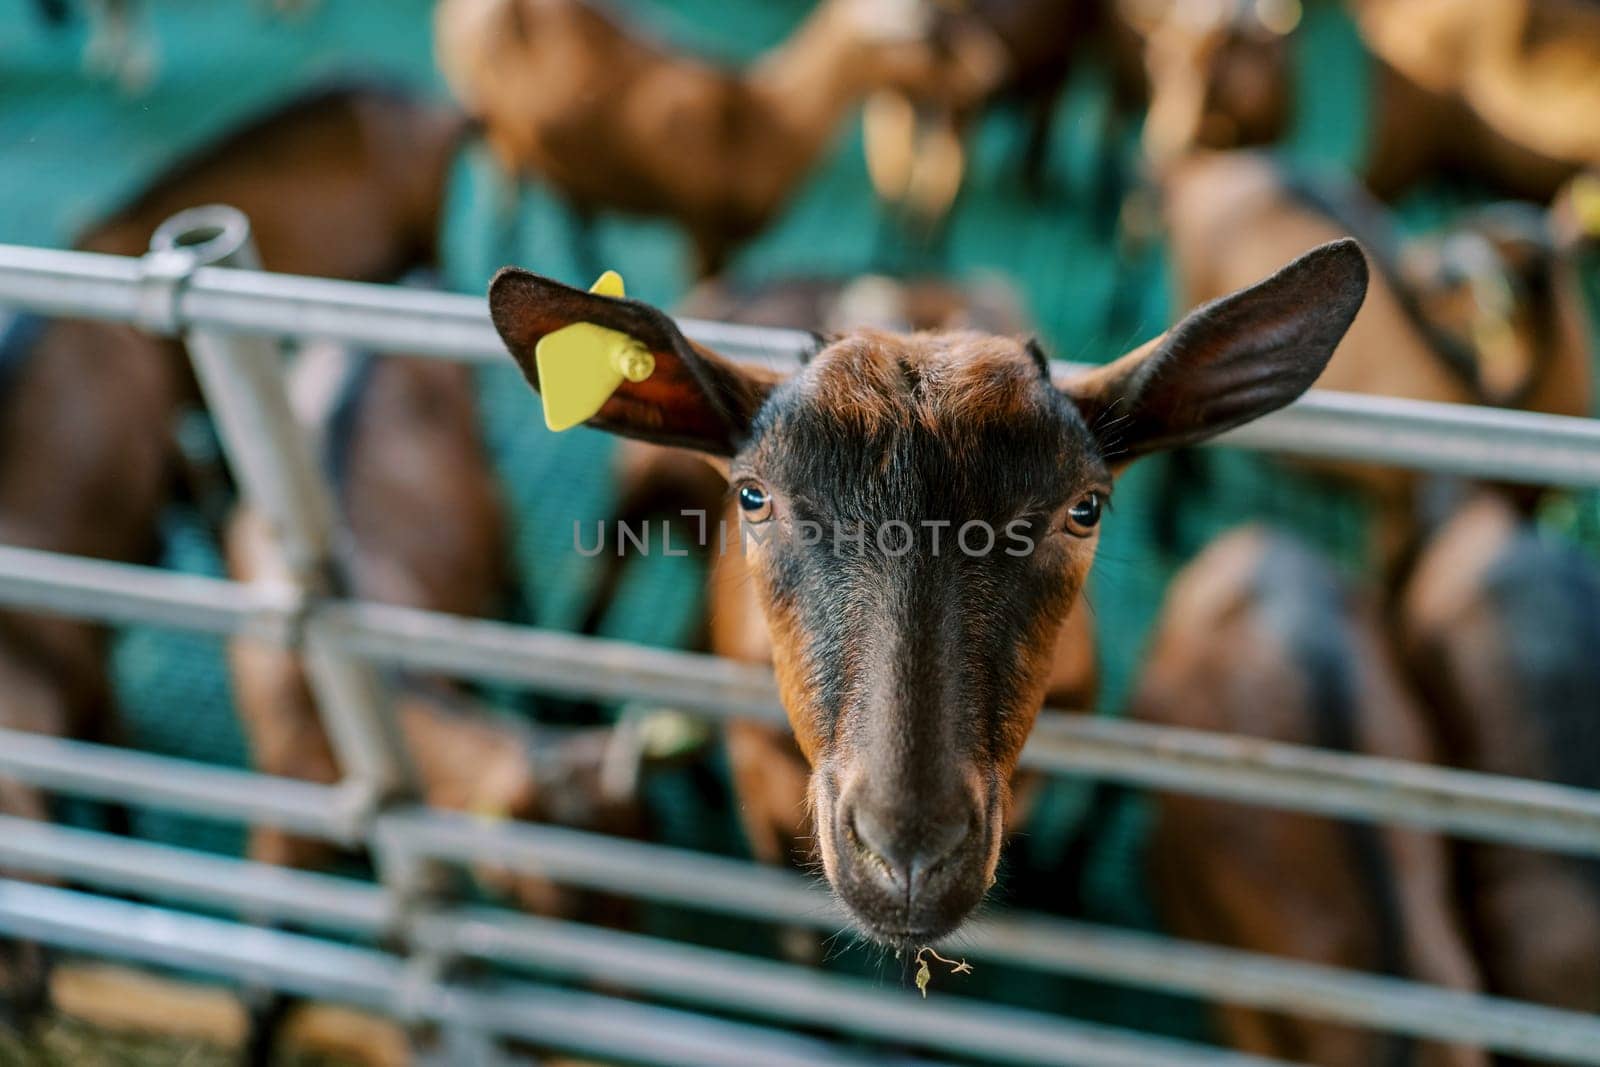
x=693, y=397
x=1228, y=362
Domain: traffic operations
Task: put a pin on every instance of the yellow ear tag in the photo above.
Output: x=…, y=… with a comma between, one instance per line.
x=1586, y=202
x=489, y=810
x=581, y=365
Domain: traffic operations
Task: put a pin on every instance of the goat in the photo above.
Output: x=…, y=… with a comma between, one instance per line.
x=767, y=768
x=1259, y=636
x=769, y=771
x=1499, y=625
x=1021, y=51
x=1487, y=311
x=1497, y=91
x=1505, y=91
x=427, y=528
x=912, y=673
x=614, y=121
x=405, y=431
x=346, y=182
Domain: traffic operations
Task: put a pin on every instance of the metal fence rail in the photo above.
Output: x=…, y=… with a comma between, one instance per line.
x=721, y=886
x=222, y=311
x=1482, y=806
x=584, y=1023
x=259, y=891
x=334, y=813
x=1040, y=943
x=1460, y=439
x=720, y=980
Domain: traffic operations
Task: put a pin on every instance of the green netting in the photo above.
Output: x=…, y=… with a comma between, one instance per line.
x=74, y=146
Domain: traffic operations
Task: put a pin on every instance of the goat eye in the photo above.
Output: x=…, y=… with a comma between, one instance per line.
x=755, y=503
x=1084, y=515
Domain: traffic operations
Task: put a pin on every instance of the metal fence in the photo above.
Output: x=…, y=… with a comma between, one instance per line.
x=197, y=283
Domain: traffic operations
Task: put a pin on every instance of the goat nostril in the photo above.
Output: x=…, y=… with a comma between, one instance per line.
x=902, y=859
x=876, y=847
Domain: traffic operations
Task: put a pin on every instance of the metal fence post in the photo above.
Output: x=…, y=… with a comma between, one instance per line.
x=241, y=377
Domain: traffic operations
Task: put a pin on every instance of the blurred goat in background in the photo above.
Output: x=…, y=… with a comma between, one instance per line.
x=1259, y=636
x=344, y=182
x=1501, y=93
x=1485, y=311
x=1500, y=625
x=614, y=121
x=428, y=529
x=1001, y=52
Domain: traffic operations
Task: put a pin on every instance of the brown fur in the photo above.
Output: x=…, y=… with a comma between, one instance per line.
x=428, y=530
x=1230, y=214
x=769, y=770
x=1536, y=914
x=956, y=387
x=912, y=679
x=345, y=183
x=876, y=386
x=85, y=472
x=1275, y=882
x=1501, y=91
x=617, y=122
x=422, y=500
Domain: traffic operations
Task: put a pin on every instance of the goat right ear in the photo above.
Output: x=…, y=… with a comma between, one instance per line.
x=694, y=398
x=1228, y=362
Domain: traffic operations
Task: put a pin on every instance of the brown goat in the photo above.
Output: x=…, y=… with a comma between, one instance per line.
x=1504, y=90
x=617, y=122
x=1501, y=91
x=1487, y=311
x=428, y=530
x=1499, y=625
x=344, y=183
x=912, y=673
x=769, y=771
x=1218, y=74
x=1260, y=637
x=997, y=51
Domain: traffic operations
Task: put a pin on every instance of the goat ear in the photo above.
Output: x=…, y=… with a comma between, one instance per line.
x=1228, y=362
x=694, y=398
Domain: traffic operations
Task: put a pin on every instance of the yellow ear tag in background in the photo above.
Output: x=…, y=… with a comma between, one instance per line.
x=581, y=365
x=1586, y=202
